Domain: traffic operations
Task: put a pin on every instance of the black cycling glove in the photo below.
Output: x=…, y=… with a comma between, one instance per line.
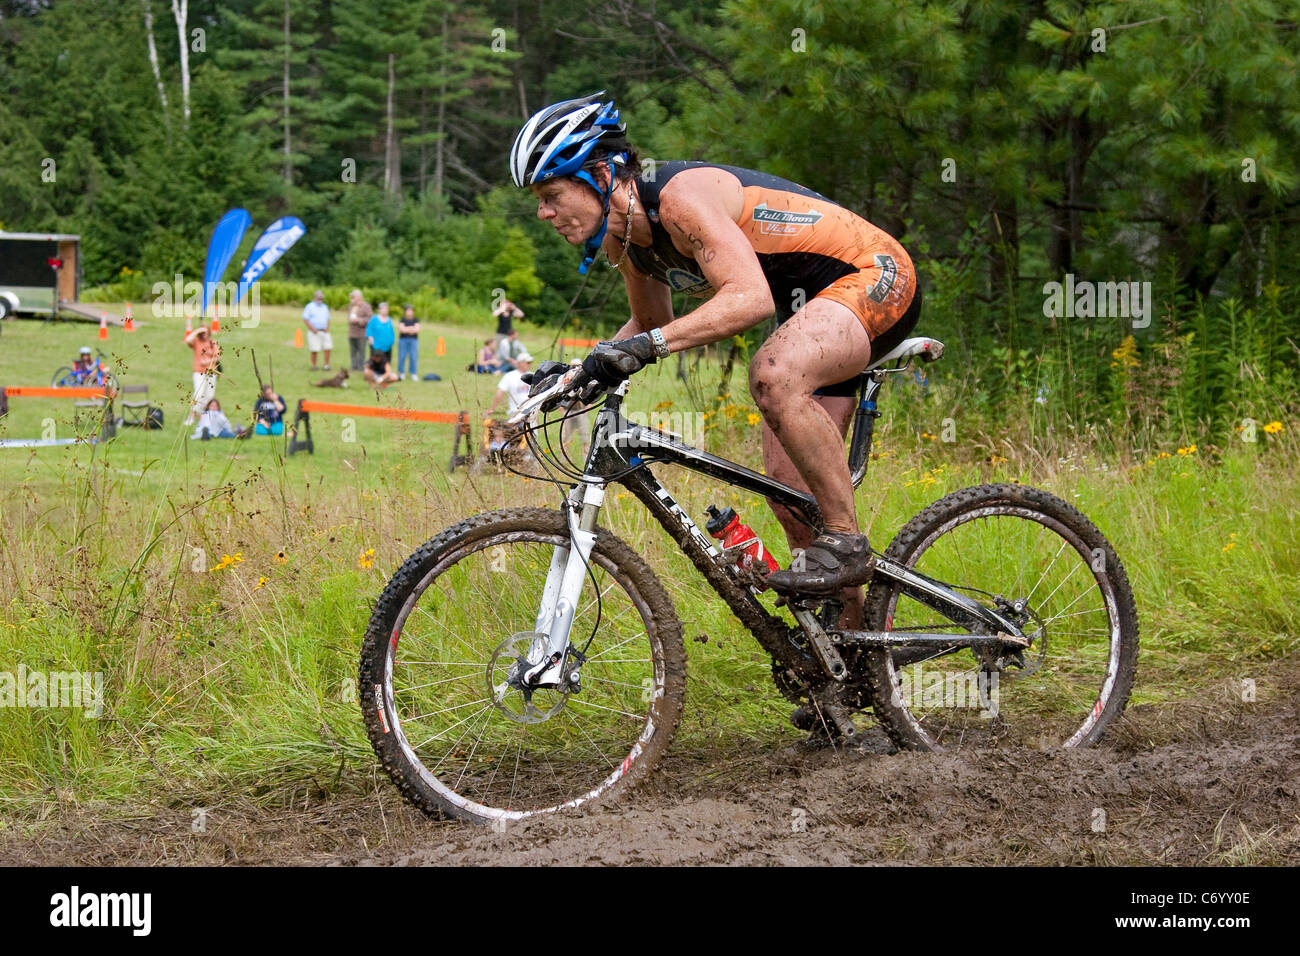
x=610, y=363
x=543, y=377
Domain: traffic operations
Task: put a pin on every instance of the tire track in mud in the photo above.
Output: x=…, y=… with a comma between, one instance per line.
x=1211, y=780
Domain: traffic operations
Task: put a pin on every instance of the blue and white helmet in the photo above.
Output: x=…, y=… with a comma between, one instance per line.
x=559, y=139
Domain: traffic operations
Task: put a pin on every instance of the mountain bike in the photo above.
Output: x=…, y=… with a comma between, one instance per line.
x=526, y=660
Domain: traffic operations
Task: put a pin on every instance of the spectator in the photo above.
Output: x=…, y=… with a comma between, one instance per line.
x=379, y=370
x=358, y=316
x=316, y=316
x=213, y=423
x=268, y=413
x=408, y=344
x=487, y=357
x=88, y=370
x=379, y=331
x=206, y=356
x=505, y=313
x=512, y=385
x=509, y=351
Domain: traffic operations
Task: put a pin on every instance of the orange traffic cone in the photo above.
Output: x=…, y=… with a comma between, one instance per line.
x=103, y=325
x=128, y=324
x=297, y=338
x=189, y=324
x=216, y=324
x=442, y=346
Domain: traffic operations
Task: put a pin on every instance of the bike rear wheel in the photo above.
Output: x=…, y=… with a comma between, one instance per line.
x=1018, y=544
x=456, y=739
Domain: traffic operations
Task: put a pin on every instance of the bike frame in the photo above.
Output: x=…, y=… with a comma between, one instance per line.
x=621, y=452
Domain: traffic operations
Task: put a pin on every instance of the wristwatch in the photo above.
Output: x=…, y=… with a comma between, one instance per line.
x=660, y=343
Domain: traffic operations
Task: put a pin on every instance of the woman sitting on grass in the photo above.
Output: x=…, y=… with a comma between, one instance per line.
x=379, y=370
x=487, y=358
x=213, y=423
x=268, y=413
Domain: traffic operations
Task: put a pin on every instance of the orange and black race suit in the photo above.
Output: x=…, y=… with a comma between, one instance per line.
x=807, y=246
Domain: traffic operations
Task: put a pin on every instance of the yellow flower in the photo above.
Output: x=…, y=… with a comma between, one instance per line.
x=1229, y=546
x=1273, y=428
x=664, y=405
x=1189, y=450
x=261, y=582
x=1126, y=355
x=227, y=560
x=754, y=418
x=367, y=558
x=997, y=460
x=280, y=557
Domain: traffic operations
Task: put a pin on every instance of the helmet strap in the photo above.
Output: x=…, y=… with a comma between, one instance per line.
x=592, y=246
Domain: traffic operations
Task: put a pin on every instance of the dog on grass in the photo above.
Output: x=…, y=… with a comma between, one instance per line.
x=336, y=381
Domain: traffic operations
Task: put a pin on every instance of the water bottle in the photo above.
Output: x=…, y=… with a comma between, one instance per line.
x=726, y=527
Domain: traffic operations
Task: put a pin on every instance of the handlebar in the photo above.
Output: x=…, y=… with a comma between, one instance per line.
x=557, y=394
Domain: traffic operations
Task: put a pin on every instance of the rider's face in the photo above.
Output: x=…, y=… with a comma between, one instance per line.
x=570, y=206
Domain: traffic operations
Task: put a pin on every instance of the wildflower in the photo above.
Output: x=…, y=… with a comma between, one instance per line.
x=228, y=560
x=280, y=557
x=997, y=460
x=367, y=558
x=754, y=418
x=664, y=405
x=1229, y=546
x=1273, y=428
x=1126, y=355
x=1189, y=450
x=261, y=582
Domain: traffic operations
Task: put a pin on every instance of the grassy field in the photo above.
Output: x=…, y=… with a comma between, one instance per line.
x=223, y=589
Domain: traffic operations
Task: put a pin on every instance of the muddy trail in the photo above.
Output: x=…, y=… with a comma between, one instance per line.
x=1212, y=780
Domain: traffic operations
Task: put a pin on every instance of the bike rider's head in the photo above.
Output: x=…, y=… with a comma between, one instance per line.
x=571, y=155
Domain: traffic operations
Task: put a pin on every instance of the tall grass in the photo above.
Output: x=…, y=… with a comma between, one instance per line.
x=223, y=589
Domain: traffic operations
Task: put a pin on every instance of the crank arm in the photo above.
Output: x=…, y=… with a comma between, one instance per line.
x=822, y=644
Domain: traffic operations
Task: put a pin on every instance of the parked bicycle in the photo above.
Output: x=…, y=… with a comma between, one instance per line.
x=526, y=660
x=97, y=374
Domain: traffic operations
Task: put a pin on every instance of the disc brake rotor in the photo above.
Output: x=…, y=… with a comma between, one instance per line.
x=523, y=705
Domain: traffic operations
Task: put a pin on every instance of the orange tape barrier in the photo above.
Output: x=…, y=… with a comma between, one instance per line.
x=579, y=343
x=38, y=391
x=370, y=411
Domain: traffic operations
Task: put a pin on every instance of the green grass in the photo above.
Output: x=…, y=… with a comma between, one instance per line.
x=235, y=677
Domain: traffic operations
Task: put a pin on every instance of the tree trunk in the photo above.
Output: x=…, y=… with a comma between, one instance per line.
x=180, y=13
x=439, y=145
x=288, y=163
x=153, y=62
x=392, y=173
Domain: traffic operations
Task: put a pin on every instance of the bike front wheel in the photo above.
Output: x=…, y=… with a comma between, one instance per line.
x=1006, y=545
x=455, y=737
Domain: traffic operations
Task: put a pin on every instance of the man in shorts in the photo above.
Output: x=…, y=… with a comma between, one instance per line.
x=316, y=316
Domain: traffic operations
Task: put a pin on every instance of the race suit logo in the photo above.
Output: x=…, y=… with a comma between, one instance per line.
x=888, y=276
x=783, y=222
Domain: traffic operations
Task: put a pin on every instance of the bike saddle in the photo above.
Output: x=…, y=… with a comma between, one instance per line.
x=929, y=350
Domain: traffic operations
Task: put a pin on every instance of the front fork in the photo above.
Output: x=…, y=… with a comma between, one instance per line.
x=549, y=651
